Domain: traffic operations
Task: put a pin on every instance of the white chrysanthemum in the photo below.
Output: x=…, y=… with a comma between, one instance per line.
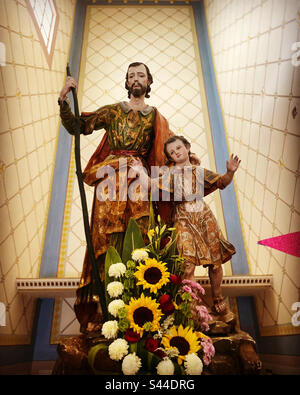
x=114, y=306
x=140, y=254
x=165, y=367
x=116, y=270
x=110, y=329
x=131, y=364
x=193, y=364
x=118, y=349
x=115, y=289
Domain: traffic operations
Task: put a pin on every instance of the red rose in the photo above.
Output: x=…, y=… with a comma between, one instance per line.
x=131, y=336
x=164, y=299
x=175, y=279
x=151, y=344
x=168, y=308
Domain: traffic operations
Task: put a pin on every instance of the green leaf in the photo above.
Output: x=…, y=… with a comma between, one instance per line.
x=133, y=347
x=133, y=239
x=92, y=355
x=178, y=370
x=152, y=361
x=172, y=247
x=112, y=256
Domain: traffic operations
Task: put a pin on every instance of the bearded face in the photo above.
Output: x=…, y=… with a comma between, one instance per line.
x=137, y=89
x=137, y=81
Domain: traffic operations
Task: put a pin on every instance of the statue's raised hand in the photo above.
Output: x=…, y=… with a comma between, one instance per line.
x=70, y=83
x=233, y=163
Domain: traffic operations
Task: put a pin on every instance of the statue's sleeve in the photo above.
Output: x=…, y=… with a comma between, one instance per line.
x=171, y=182
x=68, y=118
x=212, y=181
x=96, y=120
x=89, y=121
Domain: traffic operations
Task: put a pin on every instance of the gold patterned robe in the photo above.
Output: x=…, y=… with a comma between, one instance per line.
x=199, y=238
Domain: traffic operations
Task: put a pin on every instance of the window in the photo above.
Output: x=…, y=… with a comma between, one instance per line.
x=45, y=18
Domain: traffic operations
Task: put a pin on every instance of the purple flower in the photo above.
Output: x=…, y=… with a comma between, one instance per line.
x=189, y=290
x=195, y=285
x=203, y=313
x=204, y=317
x=208, y=350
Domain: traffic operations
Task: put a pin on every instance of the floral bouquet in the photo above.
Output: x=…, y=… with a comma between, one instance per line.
x=152, y=310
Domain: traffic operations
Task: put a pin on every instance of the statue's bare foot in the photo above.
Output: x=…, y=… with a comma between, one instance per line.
x=250, y=360
x=221, y=312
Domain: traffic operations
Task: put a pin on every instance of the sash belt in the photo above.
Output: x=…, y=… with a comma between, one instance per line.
x=124, y=152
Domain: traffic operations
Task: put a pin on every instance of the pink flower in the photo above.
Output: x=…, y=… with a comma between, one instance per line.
x=204, y=317
x=195, y=285
x=188, y=289
x=208, y=350
x=203, y=313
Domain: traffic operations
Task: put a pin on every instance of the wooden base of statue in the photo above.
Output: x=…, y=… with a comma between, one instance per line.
x=72, y=357
x=235, y=354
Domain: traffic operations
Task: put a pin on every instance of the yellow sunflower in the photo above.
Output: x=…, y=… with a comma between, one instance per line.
x=184, y=339
x=152, y=274
x=141, y=311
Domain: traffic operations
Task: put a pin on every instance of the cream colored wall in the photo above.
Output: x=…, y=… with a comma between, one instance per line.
x=28, y=134
x=259, y=89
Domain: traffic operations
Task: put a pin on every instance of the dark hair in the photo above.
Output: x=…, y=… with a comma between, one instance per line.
x=150, y=78
x=171, y=140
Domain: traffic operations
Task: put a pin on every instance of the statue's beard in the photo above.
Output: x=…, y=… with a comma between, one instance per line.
x=138, y=91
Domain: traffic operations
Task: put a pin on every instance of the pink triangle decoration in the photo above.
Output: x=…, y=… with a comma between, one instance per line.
x=289, y=243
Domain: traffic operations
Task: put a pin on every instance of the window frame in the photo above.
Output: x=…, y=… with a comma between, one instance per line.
x=48, y=51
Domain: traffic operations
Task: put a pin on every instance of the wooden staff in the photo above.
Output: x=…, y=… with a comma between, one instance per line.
x=91, y=253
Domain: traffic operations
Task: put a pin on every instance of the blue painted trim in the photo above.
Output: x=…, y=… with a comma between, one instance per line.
x=228, y=196
x=57, y=205
x=51, y=248
x=247, y=315
x=43, y=350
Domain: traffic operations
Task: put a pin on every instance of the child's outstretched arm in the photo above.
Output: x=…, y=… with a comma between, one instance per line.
x=232, y=165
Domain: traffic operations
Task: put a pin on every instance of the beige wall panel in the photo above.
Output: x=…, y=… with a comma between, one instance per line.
x=28, y=132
